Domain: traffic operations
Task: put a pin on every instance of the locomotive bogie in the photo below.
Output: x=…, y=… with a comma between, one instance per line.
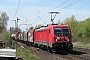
x=62, y=46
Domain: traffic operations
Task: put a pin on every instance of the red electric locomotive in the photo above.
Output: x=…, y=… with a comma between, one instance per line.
x=54, y=37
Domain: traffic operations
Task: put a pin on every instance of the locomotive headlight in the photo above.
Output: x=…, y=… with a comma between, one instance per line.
x=58, y=38
x=66, y=38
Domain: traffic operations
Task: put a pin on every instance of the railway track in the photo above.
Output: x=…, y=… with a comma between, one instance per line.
x=76, y=54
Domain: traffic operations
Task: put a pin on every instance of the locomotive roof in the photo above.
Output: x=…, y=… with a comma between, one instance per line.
x=50, y=25
x=61, y=25
x=58, y=25
x=53, y=25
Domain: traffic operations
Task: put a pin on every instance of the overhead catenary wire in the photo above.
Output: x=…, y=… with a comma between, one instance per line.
x=70, y=5
x=37, y=12
x=66, y=7
x=61, y=4
x=57, y=7
x=42, y=10
x=46, y=6
x=53, y=8
x=62, y=8
x=17, y=9
x=23, y=23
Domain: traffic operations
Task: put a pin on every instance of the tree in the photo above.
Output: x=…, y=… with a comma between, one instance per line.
x=86, y=28
x=3, y=21
x=6, y=38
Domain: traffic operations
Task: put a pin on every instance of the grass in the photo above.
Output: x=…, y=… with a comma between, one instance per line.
x=83, y=42
x=26, y=54
x=81, y=39
x=85, y=47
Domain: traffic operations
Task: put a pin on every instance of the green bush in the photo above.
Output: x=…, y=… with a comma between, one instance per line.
x=6, y=39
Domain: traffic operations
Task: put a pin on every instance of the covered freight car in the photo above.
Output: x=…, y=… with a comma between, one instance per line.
x=30, y=39
x=25, y=37
x=54, y=37
x=22, y=37
x=17, y=36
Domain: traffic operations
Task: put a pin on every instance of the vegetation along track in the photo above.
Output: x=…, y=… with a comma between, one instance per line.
x=75, y=54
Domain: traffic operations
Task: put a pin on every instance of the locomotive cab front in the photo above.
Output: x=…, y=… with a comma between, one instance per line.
x=62, y=38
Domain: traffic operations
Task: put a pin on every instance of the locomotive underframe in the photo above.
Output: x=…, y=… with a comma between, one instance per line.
x=62, y=46
x=55, y=46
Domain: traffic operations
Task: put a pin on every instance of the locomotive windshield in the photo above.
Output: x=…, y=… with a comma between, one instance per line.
x=61, y=31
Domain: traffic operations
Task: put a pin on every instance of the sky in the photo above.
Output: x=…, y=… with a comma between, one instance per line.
x=34, y=12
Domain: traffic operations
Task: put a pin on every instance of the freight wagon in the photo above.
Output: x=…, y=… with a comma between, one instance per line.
x=30, y=39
